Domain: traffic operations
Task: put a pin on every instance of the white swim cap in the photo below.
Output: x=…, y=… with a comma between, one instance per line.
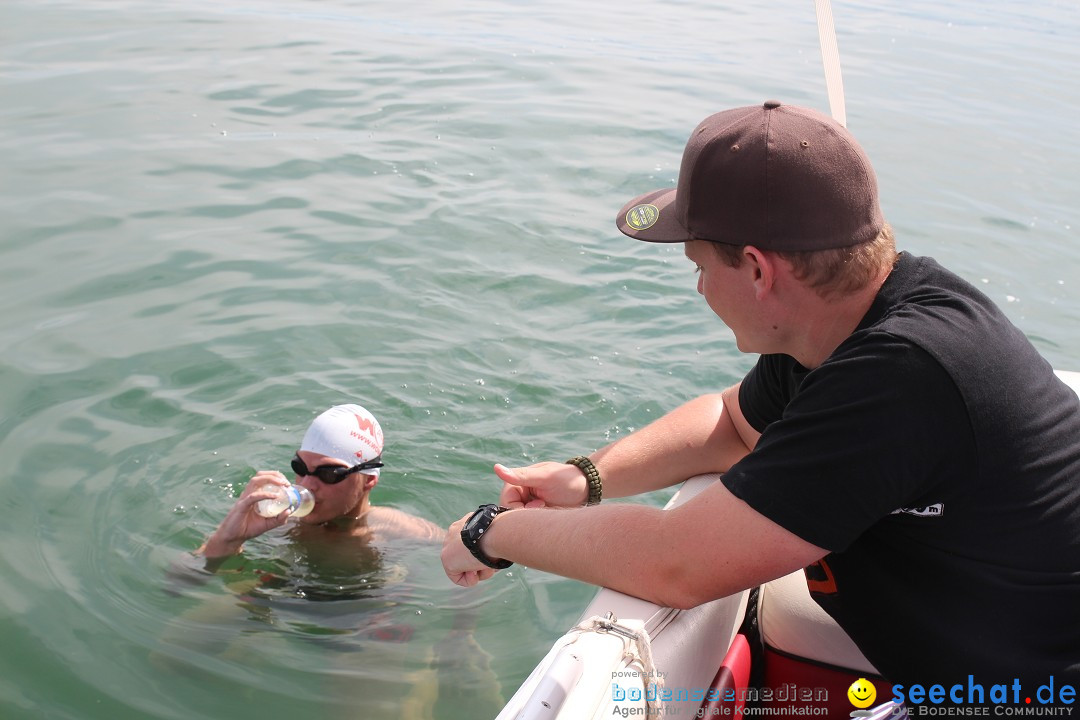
x=348, y=433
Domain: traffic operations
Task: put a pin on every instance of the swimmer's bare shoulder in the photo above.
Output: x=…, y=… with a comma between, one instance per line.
x=387, y=523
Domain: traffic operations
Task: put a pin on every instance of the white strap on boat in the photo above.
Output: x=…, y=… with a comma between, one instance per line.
x=637, y=651
x=830, y=58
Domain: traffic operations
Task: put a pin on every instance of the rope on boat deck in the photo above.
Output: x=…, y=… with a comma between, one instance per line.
x=637, y=649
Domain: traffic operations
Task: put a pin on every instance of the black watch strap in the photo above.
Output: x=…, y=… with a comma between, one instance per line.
x=473, y=530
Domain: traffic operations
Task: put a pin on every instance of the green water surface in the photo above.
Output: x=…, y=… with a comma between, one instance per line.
x=220, y=218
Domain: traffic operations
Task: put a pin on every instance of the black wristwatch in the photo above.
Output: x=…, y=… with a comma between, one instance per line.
x=474, y=529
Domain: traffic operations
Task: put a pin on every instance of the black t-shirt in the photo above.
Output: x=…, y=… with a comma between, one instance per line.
x=937, y=457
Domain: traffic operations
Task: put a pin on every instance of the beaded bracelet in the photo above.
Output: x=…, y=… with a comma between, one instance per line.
x=592, y=475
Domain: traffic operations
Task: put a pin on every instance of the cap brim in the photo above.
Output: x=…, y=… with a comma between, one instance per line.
x=651, y=217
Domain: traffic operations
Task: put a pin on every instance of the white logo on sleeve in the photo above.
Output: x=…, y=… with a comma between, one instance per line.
x=935, y=510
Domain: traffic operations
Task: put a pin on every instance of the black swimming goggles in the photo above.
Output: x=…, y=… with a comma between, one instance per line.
x=332, y=474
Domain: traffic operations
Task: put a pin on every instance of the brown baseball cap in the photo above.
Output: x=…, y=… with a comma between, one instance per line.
x=775, y=176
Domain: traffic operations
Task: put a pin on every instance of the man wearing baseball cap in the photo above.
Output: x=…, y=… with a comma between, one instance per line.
x=339, y=461
x=898, y=437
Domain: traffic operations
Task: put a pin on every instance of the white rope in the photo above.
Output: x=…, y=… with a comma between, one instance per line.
x=830, y=58
x=637, y=650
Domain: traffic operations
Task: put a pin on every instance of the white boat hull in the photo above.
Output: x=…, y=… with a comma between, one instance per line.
x=687, y=649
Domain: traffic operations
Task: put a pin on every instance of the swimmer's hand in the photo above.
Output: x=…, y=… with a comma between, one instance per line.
x=546, y=484
x=242, y=522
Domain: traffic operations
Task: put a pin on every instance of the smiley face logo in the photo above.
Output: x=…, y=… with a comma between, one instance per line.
x=862, y=693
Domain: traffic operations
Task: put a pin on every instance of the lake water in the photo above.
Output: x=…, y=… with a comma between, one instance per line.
x=220, y=218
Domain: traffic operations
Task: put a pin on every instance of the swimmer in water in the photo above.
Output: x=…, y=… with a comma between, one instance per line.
x=338, y=462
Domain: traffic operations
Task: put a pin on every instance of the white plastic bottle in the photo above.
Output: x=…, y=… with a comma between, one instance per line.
x=295, y=499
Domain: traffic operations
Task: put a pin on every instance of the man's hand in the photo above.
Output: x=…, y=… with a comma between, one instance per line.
x=460, y=565
x=546, y=484
x=242, y=522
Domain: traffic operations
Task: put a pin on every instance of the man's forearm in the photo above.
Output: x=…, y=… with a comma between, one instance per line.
x=710, y=547
x=571, y=542
x=217, y=551
x=696, y=438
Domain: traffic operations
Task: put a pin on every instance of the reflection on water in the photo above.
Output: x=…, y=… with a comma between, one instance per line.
x=340, y=567
x=373, y=624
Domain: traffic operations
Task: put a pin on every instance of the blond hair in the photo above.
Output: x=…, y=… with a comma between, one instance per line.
x=834, y=272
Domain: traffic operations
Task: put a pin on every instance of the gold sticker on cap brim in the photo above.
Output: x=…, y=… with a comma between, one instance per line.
x=641, y=217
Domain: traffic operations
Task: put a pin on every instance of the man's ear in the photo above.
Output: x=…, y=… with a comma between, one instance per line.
x=763, y=267
x=370, y=481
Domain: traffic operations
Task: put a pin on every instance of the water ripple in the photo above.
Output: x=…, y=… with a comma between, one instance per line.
x=223, y=217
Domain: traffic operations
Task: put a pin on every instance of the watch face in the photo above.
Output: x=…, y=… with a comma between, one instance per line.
x=474, y=528
x=477, y=520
